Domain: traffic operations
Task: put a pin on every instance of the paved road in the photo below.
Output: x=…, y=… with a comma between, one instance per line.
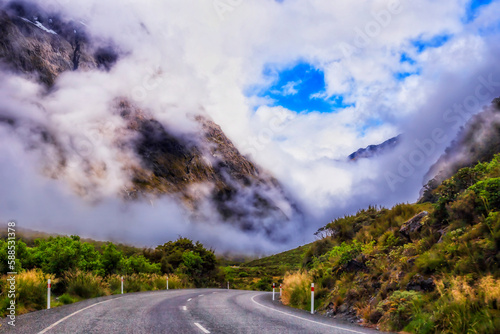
x=179, y=311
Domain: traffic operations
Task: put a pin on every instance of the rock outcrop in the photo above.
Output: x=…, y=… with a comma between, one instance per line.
x=413, y=225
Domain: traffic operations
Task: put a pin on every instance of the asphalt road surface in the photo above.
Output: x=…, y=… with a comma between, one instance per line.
x=179, y=311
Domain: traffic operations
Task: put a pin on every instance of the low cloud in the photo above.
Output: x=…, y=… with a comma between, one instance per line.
x=178, y=59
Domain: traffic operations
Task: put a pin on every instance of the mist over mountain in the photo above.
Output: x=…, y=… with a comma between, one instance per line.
x=141, y=121
x=374, y=150
x=125, y=149
x=477, y=141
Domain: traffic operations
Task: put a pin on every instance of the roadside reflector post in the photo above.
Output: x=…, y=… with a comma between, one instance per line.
x=312, y=298
x=281, y=290
x=48, y=294
x=167, y=282
x=228, y=285
x=122, y=285
x=274, y=285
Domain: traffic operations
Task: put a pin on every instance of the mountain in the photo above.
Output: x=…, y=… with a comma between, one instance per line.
x=477, y=141
x=199, y=167
x=374, y=150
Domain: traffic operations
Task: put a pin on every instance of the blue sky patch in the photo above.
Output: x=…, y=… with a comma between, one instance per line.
x=400, y=76
x=405, y=58
x=301, y=88
x=473, y=8
x=435, y=42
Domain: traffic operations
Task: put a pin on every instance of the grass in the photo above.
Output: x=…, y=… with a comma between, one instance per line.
x=31, y=292
x=297, y=290
x=85, y=285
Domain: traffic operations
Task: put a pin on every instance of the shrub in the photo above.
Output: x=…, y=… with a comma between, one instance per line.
x=488, y=193
x=31, y=291
x=463, y=307
x=61, y=254
x=66, y=299
x=138, y=264
x=264, y=284
x=431, y=261
x=114, y=283
x=174, y=282
x=296, y=290
x=342, y=254
x=398, y=309
x=85, y=285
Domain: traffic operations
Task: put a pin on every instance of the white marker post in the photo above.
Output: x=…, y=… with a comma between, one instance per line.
x=312, y=298
x=167, y=282
x=273, y=290
x=228, y=285
x=48, y=294
x=122, y=285
x=281, y=290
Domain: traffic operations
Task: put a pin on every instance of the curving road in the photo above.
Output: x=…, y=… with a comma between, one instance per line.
x=179, y=311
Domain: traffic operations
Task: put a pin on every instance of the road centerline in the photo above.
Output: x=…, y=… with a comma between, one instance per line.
x=203, y=329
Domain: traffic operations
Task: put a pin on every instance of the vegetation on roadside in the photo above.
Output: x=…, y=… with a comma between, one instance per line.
x=81, y=270
x=260, y=274
x=431, y=267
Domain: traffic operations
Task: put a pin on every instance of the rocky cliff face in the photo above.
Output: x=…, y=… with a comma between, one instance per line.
x=44, y=46
x=198, y=168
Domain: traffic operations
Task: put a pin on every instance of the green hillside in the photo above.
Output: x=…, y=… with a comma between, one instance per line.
x=421, y=268
x=292, y=259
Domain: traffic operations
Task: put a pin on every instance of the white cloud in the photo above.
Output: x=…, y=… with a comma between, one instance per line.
x=208, y=60
x=291, y=88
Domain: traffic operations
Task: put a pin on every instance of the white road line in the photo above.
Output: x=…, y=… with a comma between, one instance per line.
x=315, y=322
x=214, y=292
x=72, y=314
x=190, y=299
x=184, y=308
x=203, y=329
x=200, y=295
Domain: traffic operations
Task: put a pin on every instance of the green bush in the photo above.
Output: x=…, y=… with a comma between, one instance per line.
x=31, y=291
x=399, y=308
x=85, y=285
x=66, y=299
x=488, y=195
x=264, y=284
x=61, y=254
x=342, y=254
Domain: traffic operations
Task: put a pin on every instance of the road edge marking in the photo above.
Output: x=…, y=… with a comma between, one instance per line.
x=72, y=314
x=203, y=329
x=295, y=316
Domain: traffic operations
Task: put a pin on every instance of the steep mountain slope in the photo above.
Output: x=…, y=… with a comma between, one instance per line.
x=477, y=141
x=200, y=167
